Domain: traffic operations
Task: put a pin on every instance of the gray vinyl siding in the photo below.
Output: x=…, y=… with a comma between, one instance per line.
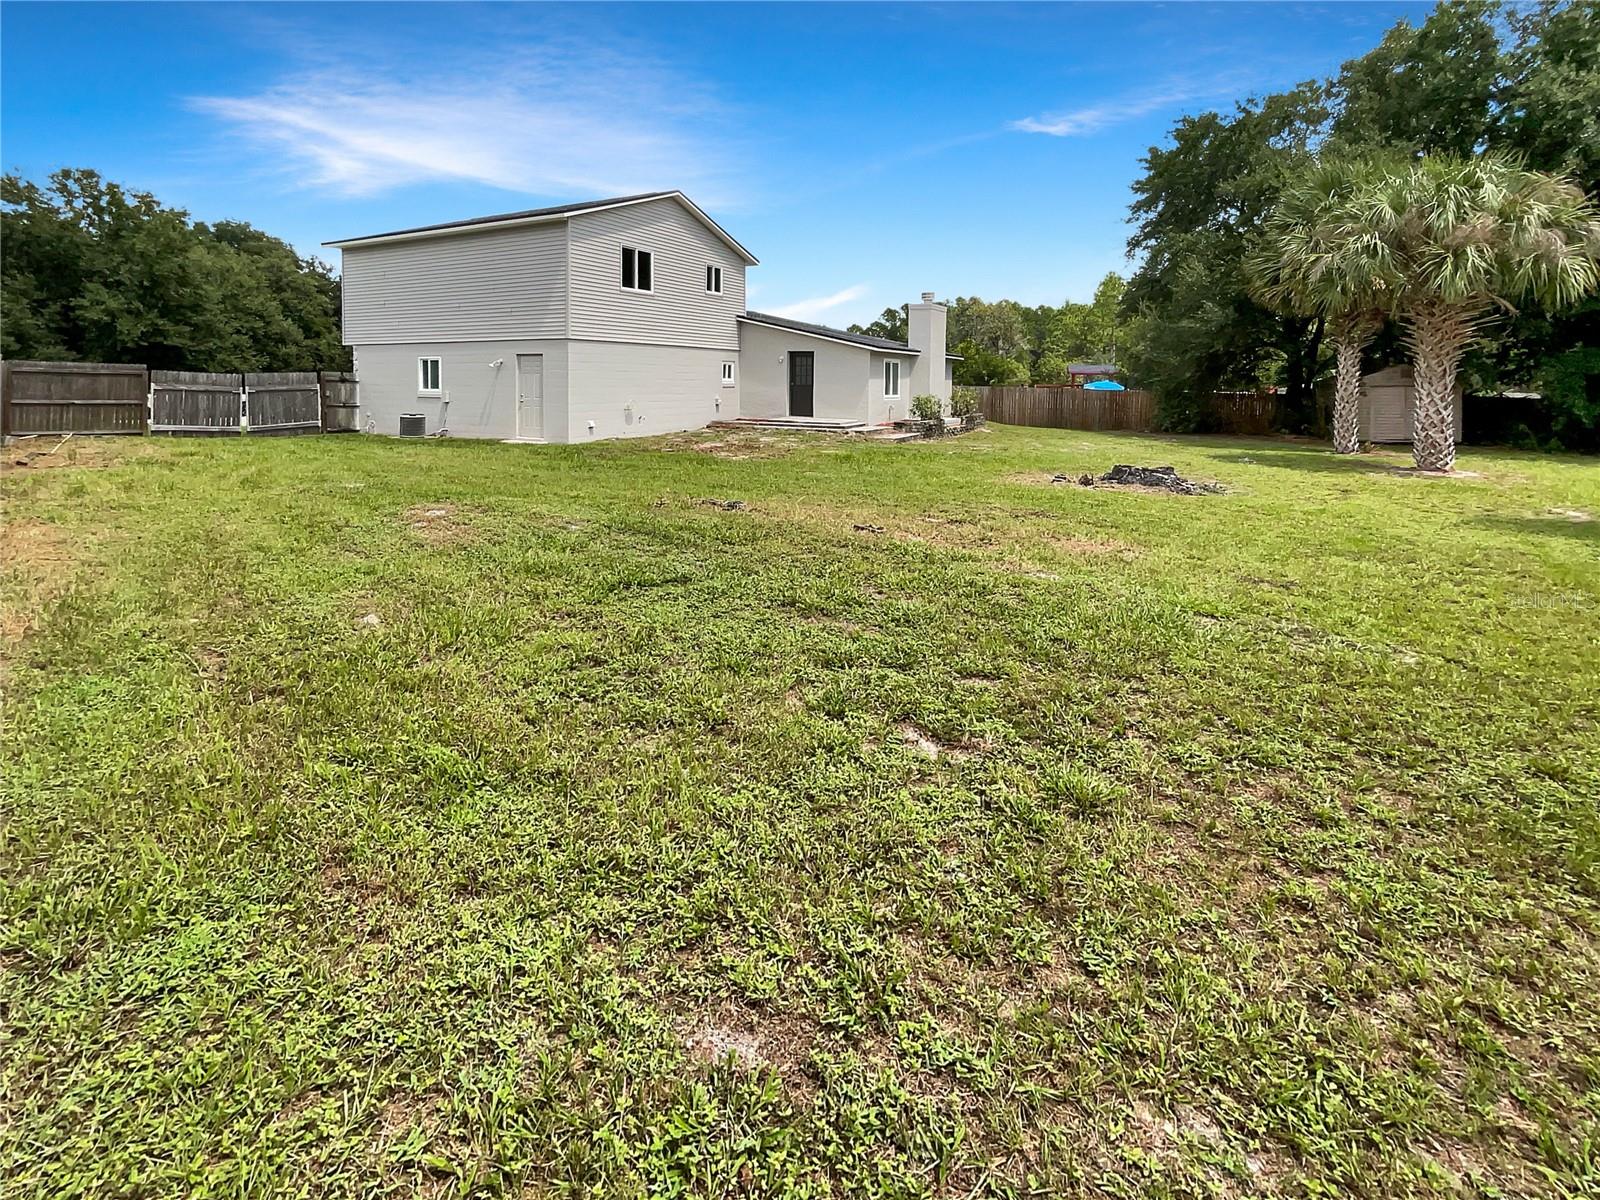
x=679, y=312
x=482, y=286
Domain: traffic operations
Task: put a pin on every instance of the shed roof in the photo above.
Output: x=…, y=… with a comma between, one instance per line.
x=532, y=216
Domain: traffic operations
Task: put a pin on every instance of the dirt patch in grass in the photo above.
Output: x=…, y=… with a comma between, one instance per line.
x=925, y=743
x=39, y=557
x=735, y=443
x=755, y=1039
x=51, y=453
x=1029, y=570
x=439, y=525
x=1080, y=545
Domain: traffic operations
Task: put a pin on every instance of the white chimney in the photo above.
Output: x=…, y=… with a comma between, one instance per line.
x=925, y=331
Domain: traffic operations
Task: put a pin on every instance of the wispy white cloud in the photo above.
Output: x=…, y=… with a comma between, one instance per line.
x=1093, y=118
x=810, y=310
x=566, y=121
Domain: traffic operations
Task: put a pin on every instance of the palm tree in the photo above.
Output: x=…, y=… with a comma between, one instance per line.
x=1315, y=260
x=1459, y=241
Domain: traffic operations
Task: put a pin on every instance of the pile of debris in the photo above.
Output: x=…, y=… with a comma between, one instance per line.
x=724, y=505
x=1165, y=478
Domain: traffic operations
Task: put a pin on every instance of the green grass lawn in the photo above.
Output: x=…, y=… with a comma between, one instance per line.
x=458, y=818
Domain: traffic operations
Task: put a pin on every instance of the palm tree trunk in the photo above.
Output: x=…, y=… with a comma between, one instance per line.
x=1347, y=393
x=1438, y=335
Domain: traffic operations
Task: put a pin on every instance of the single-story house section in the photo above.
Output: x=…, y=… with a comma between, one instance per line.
x=798, y=370
x=611, y=318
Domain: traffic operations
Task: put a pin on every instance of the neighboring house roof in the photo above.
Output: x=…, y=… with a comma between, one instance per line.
x=533, y=216
x=833, y=335
x=1092, y=369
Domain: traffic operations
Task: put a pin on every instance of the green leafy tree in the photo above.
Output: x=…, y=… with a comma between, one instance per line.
x=1081, y=332
x=979, y=367
x=1426, y=89
x=1550, y=94
x=1524, y=78
x=893, y=324
x=1549, y=113
x=95, y=271
x=1000, y=327
x=1198, y=213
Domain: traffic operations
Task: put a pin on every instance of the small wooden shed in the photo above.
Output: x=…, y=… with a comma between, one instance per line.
x=1388, y=400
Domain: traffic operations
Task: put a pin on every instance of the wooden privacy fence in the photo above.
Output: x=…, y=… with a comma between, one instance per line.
x=1069, y=407
x=45, y=397
x=1241, y=413
x=208, y=402
x=1245, y=413
x=62, y=398
x=340, y=406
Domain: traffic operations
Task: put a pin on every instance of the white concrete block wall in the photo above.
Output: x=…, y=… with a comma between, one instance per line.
x=843, y=374
x=476, y=400
x=633, y=390
x=881, y=407
x=926, y=324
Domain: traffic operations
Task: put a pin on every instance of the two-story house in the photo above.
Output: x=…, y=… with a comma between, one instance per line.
x=606, y=319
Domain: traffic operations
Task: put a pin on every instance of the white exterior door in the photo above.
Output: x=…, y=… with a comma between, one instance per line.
x=530, y=395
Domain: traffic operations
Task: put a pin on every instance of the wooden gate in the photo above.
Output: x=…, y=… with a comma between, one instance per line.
x=202, y=402
x=341, y=409
x=195, y=402
x=282, y=402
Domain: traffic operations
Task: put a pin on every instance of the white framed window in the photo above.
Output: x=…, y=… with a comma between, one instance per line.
x=427, y=375
x=714, y=279
x=891, y=377
x=727, y=374
x=638, y=270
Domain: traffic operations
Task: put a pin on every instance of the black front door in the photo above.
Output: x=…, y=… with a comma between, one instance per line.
x=802, y=373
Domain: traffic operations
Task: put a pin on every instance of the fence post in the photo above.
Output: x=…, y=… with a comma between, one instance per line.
x=244, y=406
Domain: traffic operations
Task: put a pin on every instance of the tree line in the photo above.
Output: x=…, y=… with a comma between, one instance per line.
x=95, y=272
x=1476, y=76
x=1004, y=342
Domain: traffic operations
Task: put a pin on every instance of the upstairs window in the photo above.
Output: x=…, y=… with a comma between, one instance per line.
x=714, y=280
x=891, y=378
x=638, y=270
x=427, y=374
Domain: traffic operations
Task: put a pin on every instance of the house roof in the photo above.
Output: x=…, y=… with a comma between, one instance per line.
x=534, y=216
x=824, y=331
x=1091, y=369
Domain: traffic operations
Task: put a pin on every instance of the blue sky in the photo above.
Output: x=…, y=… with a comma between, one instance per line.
x=863, y=152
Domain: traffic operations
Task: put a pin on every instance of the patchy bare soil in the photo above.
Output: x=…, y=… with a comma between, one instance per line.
x=37, y=558
x=740, y=444
x=439, y=525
